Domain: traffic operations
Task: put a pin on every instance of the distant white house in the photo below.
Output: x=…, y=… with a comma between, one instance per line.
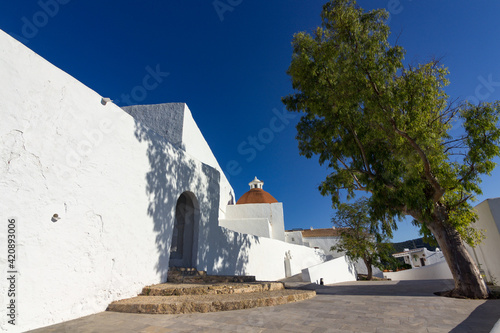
x=425, y=264
x=420, y=257
x=322, y=239
x=487, y=253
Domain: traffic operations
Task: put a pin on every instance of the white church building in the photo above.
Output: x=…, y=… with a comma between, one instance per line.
x=101, y=200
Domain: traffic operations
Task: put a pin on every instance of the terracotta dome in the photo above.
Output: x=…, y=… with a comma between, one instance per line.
x=255, y=196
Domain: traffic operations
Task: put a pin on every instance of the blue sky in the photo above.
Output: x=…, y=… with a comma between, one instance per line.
x=229, y=65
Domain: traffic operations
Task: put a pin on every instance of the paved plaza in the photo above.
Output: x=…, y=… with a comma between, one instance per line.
x=378, y=306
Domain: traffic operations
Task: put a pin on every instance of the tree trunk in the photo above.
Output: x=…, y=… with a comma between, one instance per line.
x=368, y=264
x=468, y=281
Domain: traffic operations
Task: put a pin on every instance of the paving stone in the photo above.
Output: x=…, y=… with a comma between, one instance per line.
x=356, y=307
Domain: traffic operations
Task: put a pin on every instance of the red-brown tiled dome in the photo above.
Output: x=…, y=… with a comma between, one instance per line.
x=255, y=196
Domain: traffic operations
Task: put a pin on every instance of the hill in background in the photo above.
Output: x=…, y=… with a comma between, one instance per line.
x=412, y=244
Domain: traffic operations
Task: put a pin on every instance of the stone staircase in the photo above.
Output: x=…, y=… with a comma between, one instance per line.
x=191, y=275
x=189, y=290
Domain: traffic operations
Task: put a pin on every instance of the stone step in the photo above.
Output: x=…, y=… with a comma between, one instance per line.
x=208, y=303
x=181, y=277
x=185, y=271
x=176, y=289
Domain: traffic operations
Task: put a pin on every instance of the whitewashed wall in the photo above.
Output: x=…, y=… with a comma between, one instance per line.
x=278, y=221
x=436, y=271
x=253, y=226
x=175, y=123
x=243, y=254
x=487, y=253
x=433, y=257
x=325, y=244
x=194, y=144
x=333, y=271
x=239, y=219
x=113, y=182
x=294, y=237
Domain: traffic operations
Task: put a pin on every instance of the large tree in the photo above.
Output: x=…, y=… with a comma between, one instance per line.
x=361, y=237
x=389, y=129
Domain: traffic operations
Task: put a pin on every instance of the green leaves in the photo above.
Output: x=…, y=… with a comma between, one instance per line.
x=362, y=237
x=384, y=128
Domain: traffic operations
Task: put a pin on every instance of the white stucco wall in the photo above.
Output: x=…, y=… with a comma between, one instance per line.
x=174, y=122
x=194, y=144
x=325, y=244
x=246, y=212
x=333, y=271
x=114, y=184
x=258, y=227
x=243, y=254
x=436, y=271
x=278, y=221
x=486, y=254
x=294, y=237
x=433, y=257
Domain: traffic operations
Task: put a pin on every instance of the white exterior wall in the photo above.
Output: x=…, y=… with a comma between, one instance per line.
x=433, y=257
x=195, y=145
x=294, y=237
x=325, y=244
x=413, y=257
x=258, y=227
x=432, y=272
x=113, y=182
x=487, y=253
x=244, y=254
x=333, y=271
x=278, y=221
x=246, y=212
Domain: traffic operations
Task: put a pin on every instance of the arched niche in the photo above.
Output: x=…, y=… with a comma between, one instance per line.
x=183, y=248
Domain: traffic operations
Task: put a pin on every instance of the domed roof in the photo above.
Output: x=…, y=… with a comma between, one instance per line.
x=255, y=196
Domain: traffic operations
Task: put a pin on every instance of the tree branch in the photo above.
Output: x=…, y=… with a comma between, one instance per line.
x=438, y=189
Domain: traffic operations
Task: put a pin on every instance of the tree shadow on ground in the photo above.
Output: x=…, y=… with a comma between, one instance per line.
x=482, y=319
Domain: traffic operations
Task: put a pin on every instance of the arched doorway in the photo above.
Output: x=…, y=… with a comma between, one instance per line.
x=182, y=248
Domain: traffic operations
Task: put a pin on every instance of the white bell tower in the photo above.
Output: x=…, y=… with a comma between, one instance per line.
x=256, y=183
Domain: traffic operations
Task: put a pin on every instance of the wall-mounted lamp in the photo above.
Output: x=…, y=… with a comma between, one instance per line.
x=55, y=218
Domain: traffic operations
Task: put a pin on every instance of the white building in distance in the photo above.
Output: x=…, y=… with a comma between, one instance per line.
x=420, y=257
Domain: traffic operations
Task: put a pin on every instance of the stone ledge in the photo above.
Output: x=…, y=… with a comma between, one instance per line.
x=176, y=277
x=207, y=303
x=173, y=289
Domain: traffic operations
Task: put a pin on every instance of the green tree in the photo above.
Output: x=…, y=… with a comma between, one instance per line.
x=387, y=129
x=361, y=237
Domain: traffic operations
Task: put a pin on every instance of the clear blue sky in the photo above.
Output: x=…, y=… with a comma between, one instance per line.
x=229, y=67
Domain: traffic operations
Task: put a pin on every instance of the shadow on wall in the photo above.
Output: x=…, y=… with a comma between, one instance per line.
x=220, y=251
x=172, y=173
